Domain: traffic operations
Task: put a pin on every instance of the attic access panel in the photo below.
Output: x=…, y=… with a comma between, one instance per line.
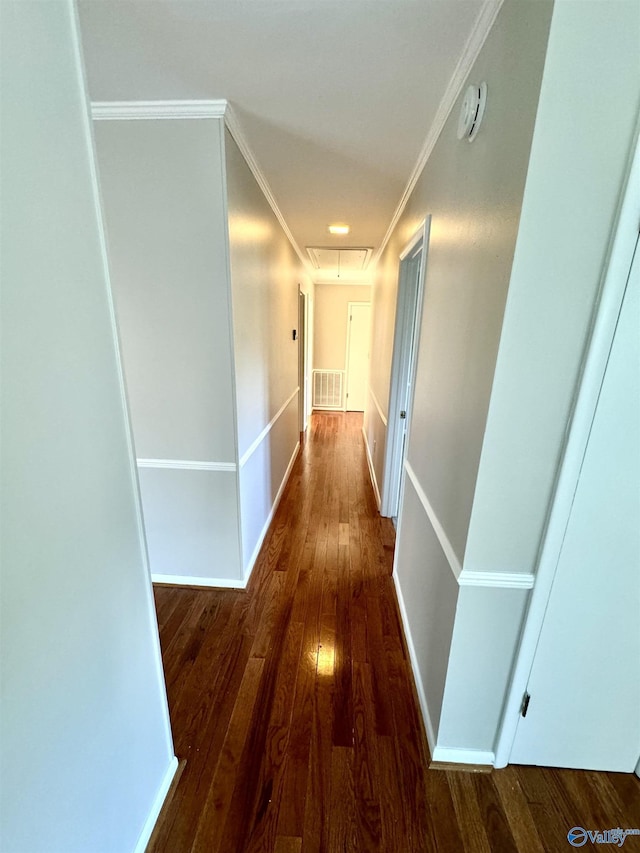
x=343, y=260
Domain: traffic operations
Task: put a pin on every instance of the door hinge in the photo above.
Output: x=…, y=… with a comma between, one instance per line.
x=403, y=414
x=525, y=704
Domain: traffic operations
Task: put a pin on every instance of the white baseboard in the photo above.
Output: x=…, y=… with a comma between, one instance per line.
x=453, y=755
x=426, y=716
x=153, y=815
x=447, y=754
x=372, y=472
x=263, y=533
x=187, y=580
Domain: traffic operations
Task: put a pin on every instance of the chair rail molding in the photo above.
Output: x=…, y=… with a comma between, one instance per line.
x=186, y=465
x=465, y=577
x=255, y=444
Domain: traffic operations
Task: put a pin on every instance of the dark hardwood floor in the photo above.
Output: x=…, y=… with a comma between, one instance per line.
x=294, y=706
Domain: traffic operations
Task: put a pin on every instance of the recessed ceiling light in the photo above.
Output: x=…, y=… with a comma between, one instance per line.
x=338, y=229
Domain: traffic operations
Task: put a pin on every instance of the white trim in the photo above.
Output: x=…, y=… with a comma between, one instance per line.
x=372, y=473
x=144, y=110
x=420, y=234
x=186, y=464
x=189, y=580
x=404, y=366
x=501, y=580
x=472, y=48
x=313, y=257
x=454, y=755
x=322, y=276
x=100, y=220
x=383, y=417
x=302, y=358
x=252, y=560
x=622, y=248
x=233, y=126
x=438, y=529
x=232, y=335
x=413, y=658
x=265, y=432
x=156, y=808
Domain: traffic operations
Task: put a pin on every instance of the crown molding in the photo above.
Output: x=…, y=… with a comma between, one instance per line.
x=235, y=129
x=217, y=109
x=140, y=110
x=477, y=37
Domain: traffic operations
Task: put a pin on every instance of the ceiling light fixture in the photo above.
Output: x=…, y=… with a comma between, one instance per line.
x=338, y=229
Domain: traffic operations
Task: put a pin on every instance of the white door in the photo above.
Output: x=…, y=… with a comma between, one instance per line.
x=584, y=686
x=358, y=337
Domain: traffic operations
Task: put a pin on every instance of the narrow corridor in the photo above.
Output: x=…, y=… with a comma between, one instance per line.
x=293, y=702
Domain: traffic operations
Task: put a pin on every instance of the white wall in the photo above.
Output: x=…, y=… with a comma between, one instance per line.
x=566, y=225
x=570, y=204
x=163, y=189
x=331, y=323
x=495, y=385
x=473, y=193
x=85, y=737
x=266, y=275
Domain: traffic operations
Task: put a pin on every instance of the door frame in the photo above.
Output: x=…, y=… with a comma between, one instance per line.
x=347, y=350
x=623, y=247
x=303, y=360
x=406, y=342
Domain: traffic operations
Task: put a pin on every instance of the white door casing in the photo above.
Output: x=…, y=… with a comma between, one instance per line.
x=302, y=361
x=406, y=340
x=357, y=366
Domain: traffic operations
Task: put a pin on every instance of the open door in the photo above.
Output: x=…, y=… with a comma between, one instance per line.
x=582, y=707
x=575, y=688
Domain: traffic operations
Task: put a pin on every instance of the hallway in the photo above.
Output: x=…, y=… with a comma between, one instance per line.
x=293, y=702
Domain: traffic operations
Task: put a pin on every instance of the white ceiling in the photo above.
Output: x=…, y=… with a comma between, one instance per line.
x=334, y=97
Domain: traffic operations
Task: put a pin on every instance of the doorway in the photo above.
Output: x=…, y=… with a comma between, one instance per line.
x=303, y=378
x=357, y=366
x=403, y=366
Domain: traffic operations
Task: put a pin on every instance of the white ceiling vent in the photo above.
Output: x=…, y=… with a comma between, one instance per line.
x=339, y=260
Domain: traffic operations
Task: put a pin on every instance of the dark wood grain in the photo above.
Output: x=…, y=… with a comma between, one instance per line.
x=294, y=706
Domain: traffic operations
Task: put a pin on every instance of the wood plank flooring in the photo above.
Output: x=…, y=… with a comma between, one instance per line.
x=294, y=706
